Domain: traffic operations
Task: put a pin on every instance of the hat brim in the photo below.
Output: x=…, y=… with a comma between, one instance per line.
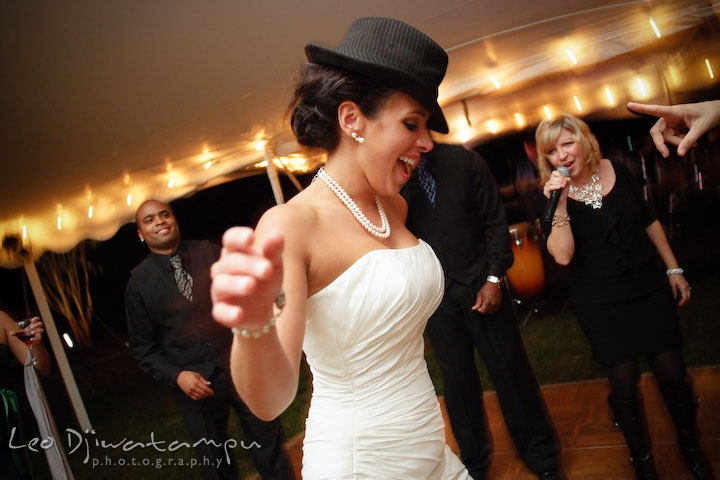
x=392, y=77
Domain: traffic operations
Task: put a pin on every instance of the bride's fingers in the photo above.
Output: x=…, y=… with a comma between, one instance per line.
x=227, y=314
x=242, y=290
x=272, y=247
x=233, y=287
x=242, y=264
x=237, y=239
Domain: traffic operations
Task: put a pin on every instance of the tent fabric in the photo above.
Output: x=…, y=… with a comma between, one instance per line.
x=108, y=103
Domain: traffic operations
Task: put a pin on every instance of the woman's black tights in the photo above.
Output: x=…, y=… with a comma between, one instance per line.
x=668, y=367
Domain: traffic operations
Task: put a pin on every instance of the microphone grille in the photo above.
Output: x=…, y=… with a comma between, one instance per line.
x=563, y=171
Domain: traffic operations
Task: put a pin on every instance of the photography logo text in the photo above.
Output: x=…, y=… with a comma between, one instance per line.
x=96, y=451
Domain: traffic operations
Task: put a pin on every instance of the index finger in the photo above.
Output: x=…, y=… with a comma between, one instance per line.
x=272, y=246
x=237, y=239
x=650, y=109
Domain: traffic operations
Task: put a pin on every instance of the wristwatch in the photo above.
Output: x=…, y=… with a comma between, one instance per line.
x=494, y=279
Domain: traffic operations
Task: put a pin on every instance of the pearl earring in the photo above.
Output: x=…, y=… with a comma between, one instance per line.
x=357, y=137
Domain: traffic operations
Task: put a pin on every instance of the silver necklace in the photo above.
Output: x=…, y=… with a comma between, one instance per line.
x=590, y=193
x=383, y=231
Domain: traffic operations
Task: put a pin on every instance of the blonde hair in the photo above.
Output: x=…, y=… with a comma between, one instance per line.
x=546, y=137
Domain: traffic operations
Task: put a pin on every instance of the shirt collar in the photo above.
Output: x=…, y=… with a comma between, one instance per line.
x=164, y=260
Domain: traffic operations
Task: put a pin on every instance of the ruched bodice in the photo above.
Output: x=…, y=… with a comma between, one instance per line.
x=374, y=412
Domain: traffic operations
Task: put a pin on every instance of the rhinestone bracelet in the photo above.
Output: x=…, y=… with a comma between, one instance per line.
x=560, y=220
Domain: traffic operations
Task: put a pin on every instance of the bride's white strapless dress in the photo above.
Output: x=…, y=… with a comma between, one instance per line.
x=374, y=413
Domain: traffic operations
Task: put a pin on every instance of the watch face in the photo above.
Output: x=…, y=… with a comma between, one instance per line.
x=493, y=279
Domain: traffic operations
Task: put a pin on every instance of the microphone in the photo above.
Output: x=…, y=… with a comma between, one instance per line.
x=554, y=198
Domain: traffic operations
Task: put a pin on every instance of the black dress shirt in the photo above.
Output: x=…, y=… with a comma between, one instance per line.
x=168, y=333
x=467, y=228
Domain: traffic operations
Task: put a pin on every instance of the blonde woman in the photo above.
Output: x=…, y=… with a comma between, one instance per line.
x=625, y=282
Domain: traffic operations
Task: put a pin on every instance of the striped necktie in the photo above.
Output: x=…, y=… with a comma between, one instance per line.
x=182, y=278
x=426, y=181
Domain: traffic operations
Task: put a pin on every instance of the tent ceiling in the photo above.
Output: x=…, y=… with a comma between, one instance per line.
x=105, y=99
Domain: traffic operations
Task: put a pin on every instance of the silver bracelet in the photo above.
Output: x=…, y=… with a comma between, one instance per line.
x=560, y=220
x=674, y=271
x=255, y=333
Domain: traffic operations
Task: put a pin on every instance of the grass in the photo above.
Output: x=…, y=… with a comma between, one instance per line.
x=123, y=403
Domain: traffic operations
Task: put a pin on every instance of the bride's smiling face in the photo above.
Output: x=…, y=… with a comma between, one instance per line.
x=395, y=139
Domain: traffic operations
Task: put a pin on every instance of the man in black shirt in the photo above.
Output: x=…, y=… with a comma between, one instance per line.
x=454, y=206
x=174, y=338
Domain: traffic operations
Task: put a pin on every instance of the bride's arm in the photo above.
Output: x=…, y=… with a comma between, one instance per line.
x=246, y=282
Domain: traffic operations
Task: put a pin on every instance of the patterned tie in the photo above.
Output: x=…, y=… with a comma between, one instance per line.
x=426, y=181
x=182, y=278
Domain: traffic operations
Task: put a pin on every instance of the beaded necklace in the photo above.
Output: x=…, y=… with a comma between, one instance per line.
x=383, y=231
x=590, y=193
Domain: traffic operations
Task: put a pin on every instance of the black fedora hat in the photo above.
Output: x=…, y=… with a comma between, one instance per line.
x=394, y=53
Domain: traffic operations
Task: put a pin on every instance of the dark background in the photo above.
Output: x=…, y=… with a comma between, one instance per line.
x=687, y=212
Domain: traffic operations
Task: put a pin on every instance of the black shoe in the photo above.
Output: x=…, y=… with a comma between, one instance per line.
x=552, y=475
x=644, y=467
x=698, y=465
x=683, y=405
x=630, y=418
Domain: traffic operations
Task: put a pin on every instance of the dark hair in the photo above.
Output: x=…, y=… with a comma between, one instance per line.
x=319, y=92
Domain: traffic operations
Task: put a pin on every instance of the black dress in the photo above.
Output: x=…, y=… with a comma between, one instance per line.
x=618, y=285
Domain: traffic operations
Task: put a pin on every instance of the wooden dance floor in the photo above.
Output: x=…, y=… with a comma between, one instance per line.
x=592, y=448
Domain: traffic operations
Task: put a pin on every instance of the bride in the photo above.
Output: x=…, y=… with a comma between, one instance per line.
x=351, y=286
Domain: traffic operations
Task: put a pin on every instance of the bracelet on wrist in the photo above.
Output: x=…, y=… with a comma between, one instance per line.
x=257, y=332
x=674, y=271
x=561, y=220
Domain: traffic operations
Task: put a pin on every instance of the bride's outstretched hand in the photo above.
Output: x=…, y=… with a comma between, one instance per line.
x=247, y=278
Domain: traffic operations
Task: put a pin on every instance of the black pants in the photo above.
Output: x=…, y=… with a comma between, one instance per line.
x=207, y=419
x=455, y=331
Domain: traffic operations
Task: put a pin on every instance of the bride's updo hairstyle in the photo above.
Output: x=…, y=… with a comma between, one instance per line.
x=319, y=92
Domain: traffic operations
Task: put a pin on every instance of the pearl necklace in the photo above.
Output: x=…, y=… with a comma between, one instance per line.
x=590, y=193
x=383, y=231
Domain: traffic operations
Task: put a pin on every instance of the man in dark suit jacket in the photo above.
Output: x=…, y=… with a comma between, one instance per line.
x=174, y=338
x=463, y=219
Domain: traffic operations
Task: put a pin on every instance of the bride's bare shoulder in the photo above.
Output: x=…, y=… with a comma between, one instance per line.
x=296, y=217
